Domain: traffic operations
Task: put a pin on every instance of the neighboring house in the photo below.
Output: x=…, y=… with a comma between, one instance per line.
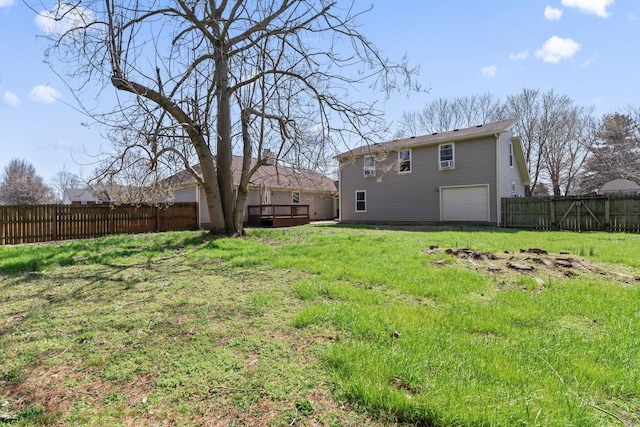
x=272, y=184
x=460, y=175
x=84, y=196
x=619, y=186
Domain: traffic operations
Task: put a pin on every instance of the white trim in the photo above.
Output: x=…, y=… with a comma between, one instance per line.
x=499, y=172
x=356, y=201
x=198, y=215
x=369, y=171
x=447, y=164
x=401, y=172
x=340, y=192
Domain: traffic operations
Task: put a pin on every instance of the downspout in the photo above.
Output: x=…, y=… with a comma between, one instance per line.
x=498, y=196
x=340, y=191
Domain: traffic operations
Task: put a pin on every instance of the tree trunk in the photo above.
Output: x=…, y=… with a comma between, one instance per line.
x=224, y=157
x=211, y=184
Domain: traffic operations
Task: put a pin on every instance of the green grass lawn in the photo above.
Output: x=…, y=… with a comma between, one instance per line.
x=323, y=325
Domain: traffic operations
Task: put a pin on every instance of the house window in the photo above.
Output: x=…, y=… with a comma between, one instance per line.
x=511, y=154
x=361, y=201
x=404, y=161
x=446, y=156
x=369, y=166
x=295, y=197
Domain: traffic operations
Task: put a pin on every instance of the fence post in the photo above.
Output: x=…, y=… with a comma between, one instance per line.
x=606, y=213
x=553, y=214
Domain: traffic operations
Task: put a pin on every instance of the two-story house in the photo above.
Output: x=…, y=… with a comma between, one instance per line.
x=459, y=175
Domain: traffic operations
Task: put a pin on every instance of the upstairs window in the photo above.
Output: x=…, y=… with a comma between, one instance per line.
x=446, y=156
x=404, y=161
x=369, y=166
x=295, y=198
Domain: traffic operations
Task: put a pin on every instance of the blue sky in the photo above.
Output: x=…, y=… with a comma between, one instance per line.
x=586, y=49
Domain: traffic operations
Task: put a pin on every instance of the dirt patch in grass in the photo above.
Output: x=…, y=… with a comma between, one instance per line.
x=533, y=262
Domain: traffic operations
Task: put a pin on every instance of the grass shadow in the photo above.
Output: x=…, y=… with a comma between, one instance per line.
x=106, y=250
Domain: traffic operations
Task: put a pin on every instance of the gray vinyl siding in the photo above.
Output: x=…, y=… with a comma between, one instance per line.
x=183, y=195
x=414, y=197
x=508, y=174
x=320, y=205
x=205, y=219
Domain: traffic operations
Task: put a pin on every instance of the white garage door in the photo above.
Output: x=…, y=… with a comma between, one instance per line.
x=465, y=203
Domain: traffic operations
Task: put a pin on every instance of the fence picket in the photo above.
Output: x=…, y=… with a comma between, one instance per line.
x=45, y=223
x=619, y=212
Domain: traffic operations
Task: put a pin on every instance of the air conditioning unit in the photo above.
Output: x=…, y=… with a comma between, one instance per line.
x=446, y=164
x=369, y=172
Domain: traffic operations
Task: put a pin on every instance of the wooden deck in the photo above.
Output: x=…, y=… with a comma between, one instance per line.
x=278, y=215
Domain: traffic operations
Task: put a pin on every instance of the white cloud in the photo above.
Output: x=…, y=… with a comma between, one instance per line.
x=520, y=56
x=6, y=3
x=489, y=71
x=552, y=14
x=63, y=17
x=594, y=7
x=10, y=98
x=556, y=49
x=44, y=94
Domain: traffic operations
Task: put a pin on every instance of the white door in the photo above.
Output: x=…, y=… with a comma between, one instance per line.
x=468, y=203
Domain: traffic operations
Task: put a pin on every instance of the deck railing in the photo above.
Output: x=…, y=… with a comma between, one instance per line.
x=278, y=215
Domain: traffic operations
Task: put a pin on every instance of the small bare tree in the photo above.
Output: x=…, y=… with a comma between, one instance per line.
x=21, y=185
x=570, y=134
x=202, y=80
x=64, y=180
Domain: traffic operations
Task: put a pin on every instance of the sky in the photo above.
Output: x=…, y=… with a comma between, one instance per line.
x=586, y=49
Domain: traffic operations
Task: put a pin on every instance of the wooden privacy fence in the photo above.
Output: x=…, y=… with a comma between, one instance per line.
x=46, y=223
x=588, y=213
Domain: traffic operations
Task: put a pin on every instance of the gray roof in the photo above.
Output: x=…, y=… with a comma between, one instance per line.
x=272, y=176
x=488, y=129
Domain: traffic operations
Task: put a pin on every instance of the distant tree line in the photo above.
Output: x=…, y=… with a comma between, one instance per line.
x=568, y=150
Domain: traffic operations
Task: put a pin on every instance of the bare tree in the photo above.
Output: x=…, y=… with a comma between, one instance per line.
x=204, y=79
x=570, y=134
x=21, y=185
x=444, y=114
x=64, y=180
x=556, y=135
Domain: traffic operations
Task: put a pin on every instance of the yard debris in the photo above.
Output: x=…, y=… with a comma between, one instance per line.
x=522, y=267
x=534, y=251
x=472, y=255
x=526, y=262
